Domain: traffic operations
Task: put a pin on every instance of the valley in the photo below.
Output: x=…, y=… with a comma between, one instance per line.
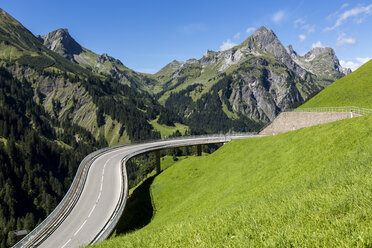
x=60, y=101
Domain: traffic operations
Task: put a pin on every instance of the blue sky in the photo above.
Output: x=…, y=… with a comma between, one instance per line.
x=146, y=35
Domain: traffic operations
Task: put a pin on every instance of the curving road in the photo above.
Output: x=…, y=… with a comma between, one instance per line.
x=95, y=201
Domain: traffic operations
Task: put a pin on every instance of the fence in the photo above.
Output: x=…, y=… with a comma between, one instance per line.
x=361, y=111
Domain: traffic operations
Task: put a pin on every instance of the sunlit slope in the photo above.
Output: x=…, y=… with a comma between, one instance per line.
x=307, y=188
x=354, y=89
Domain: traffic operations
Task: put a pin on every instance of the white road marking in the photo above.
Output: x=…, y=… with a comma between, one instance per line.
x=66, y=243
x=80, y=228
x=91, y=211
x=99, y=196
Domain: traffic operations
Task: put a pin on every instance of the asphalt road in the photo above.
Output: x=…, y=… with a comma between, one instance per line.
x=102, y=191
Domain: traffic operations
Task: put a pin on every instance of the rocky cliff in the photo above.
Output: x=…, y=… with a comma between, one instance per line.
x=265, y=77
x=61, y=42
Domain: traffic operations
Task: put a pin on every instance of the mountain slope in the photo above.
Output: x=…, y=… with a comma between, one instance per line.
x=353, y=90
x=38, y=157
x=52, y=114
x=306, y=188
x=70, y=92
x=266, y=76
x=61, y=42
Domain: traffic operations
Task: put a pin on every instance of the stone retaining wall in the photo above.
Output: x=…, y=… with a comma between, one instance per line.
x=288, y=121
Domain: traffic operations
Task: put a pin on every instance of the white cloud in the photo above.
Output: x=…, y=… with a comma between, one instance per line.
x=298, y=22
x=343, y=40
x=353, y=65
x=278, y=17
x=349, y=64
x=317, y=44
x=250, y=29
x=363, y=60
x=302, y=37
x=227, y=45
x=355, y=12
x=237, y=36
x=309, y=28
x=344, y=5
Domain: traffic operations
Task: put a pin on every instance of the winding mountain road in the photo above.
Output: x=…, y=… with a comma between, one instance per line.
x=93, y=205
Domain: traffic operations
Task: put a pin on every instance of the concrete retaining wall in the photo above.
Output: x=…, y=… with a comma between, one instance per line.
x=288, y=121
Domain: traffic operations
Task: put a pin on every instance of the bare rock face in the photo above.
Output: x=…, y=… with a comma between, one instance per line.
x=267, y=78
x=62, y=43
x=261, y=92
x=321, y=61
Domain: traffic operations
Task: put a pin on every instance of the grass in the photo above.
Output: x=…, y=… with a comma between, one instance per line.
x=307, y=188
x=165, y=130
x=354, y=89
x=138, y=209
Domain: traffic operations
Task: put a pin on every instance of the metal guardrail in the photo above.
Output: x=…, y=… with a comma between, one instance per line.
x=48, y=225
x=115, y=217
x=358, y=110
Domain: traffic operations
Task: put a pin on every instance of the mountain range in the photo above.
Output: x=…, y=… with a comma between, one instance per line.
x=259, y=78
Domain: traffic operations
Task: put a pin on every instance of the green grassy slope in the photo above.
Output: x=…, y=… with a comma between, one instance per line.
x=354, y=89
x=165, y=130
x=307, y=188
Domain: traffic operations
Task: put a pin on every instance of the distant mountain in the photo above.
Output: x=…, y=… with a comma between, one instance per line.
x=321, y=61
x=256, y=79
x=61, y=42
x=354, y=89
x=72, y=92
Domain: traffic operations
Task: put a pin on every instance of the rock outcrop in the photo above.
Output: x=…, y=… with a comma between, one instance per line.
x=266, y=77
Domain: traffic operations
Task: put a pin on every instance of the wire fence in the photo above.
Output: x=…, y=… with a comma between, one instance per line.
x=357, y=110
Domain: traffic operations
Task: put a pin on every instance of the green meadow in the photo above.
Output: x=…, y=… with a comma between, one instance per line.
x=307, y=188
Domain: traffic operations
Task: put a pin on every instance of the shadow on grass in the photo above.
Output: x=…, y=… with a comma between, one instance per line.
x=138, y=209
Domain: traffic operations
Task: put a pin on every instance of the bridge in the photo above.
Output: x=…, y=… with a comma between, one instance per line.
x=96, y=199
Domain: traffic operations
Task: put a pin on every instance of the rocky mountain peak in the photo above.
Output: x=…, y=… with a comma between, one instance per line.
x=264, y=32
x=320, y=50
x=290, y=50
x=265, y=37
x=60, y=41
x=105, y=57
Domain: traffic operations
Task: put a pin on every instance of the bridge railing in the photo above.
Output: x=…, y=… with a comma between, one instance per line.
x=77, y=185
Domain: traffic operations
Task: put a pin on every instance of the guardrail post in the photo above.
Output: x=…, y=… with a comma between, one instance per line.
x=199, y=150
x=157, y=161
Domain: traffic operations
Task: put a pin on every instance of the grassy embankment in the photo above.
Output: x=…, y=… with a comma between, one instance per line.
x=311, y=187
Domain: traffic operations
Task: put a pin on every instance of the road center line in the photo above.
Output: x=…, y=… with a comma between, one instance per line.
x=66, y=243
x=91, y=211
x=80, y=227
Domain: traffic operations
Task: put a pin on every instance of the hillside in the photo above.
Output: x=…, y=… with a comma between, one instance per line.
x=39, y=156
x=256, y=79
x=306, y=188
x=353, y=90
x=243, y=87
x=61, y=42
x=52, y=114
x=72, y=93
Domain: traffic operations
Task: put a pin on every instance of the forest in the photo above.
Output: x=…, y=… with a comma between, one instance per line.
x=37, y=162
